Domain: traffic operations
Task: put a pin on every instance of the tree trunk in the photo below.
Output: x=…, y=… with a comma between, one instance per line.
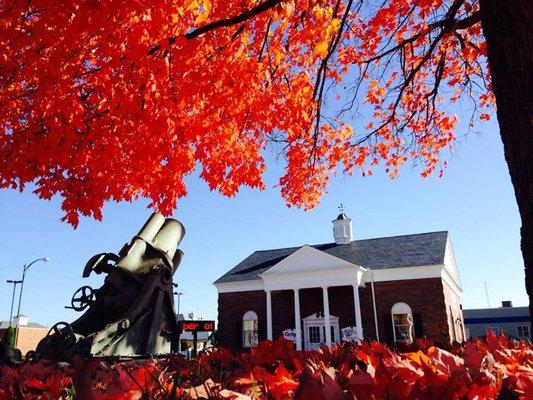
x=509, y=35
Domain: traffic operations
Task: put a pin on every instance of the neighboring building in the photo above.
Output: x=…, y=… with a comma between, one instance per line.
x=29, y=335
x=513, y=321
x=321, y=294
x=186, y=343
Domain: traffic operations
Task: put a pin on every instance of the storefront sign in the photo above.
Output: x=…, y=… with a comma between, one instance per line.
x=197, y=326
x=349, y=334
x=289, y=334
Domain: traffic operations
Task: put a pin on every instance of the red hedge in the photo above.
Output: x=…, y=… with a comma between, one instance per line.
x=482, y=369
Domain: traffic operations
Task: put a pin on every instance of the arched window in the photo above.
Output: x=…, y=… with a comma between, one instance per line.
x=250, y=336
x=402, y=322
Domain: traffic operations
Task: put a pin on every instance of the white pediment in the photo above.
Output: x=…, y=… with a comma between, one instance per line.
x=307, y=259
x=315, y=318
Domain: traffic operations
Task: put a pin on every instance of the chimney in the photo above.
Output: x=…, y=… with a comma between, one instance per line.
x=507, y=303
x=342, y=229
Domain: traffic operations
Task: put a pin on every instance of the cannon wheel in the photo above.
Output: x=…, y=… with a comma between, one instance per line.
x=31, y=356
x=83, y=298
x=63, y=334
x=59, y=341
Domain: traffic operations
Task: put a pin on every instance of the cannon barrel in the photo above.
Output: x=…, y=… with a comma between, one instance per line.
x=158, y=236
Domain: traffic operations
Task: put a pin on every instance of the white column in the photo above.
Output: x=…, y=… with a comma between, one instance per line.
x=297, y=319
x=374, y=306
x=269, y=315
x=327, y=322
x=357, y=307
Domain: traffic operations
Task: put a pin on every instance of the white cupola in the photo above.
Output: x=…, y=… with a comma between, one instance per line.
x=342, y=229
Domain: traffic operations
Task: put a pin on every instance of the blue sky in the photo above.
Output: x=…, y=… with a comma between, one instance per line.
x=474, y=201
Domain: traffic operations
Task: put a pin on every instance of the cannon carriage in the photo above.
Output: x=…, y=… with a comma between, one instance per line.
x=132, y=313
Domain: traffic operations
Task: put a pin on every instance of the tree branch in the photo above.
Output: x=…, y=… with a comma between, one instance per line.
x=237, y=19
x=448, y=23
x=469, y=21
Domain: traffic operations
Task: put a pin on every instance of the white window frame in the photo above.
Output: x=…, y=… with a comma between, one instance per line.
x=403, y=309
x=250, y=316
x=314, y=337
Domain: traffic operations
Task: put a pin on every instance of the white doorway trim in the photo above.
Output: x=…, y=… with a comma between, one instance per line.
x=314, y=331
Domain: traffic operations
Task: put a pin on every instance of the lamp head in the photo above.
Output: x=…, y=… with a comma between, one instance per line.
x=45, y=259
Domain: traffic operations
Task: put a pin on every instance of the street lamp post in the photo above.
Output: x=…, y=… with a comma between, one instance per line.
x=25, y=267
x=15, y=283
x=179, y=294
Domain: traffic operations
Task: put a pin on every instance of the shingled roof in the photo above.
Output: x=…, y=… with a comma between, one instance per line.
x=5, y=325
x=387, y=252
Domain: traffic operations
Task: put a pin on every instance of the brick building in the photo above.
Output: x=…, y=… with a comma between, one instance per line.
x=390, y=289
x=29, y=333
x=513, y=321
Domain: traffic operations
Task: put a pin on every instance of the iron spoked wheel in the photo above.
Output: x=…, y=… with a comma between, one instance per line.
x=83, y=298
x=62, y=336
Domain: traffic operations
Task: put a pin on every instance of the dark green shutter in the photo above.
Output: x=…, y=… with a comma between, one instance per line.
x=388, y=333
x=262, y=329
x=419, y=328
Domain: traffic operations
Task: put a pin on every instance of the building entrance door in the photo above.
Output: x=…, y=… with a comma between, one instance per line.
x=315, y=331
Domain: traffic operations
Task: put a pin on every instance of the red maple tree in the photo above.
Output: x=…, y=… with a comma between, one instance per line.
x=117, y=100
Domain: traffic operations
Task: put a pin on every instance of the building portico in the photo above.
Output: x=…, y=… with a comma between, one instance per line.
x=309, y=268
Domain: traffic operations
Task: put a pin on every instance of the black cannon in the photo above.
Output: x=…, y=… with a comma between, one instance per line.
x=132, y=314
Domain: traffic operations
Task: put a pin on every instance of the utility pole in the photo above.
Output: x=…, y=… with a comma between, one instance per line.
x=15, y=283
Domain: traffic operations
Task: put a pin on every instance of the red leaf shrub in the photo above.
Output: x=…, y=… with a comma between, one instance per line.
x=495, y=367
